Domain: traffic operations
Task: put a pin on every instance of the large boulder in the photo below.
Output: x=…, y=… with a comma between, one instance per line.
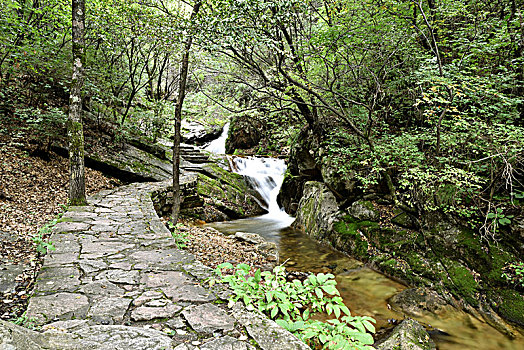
x=214, y=193
x=198, y=133
x=245, y=132
x=317, y=211
x=302, y=167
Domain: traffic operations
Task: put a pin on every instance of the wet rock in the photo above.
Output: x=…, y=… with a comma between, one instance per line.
x=417, y=301
x=208, y=318
x=408, y=335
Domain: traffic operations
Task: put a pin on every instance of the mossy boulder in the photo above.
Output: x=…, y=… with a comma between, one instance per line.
x=226, y=196
x=317, y=210
x=364, y=210
x=245, y=132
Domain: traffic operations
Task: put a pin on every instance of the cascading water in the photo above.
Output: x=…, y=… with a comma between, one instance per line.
x=266, y=176
x=218, y=146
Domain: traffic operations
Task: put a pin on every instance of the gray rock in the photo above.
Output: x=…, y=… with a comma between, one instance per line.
x=147, y=297
x=119, y=276
x=408, y=335
x=54, y=259
x=67, y=226
x=124, y=338
x=101, y=289
x=418, y=301
x=193, y=293
x=267, y=334
x=58, y=279
x=61, y=306
x=317, y=210
x=252, y=238
x=147, y=313
x=208, y=318
x=65, y=243
x=226, y=343
x=109, y=310
x=164, y=279
x=101, y=248
x=8, y=274
x=89, y=266
x=13, y=337
x=364, y=210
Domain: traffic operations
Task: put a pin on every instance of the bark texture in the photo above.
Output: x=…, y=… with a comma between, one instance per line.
x=184, y=67
x=75, y=130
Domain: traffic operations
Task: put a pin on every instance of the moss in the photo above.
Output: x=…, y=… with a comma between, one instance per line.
x=511, y=305
x=62, y=219
x=350, y=231
x=464, y=283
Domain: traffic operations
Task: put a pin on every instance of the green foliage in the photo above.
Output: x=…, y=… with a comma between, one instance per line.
x=514, y=274
x=180, y=237
x=26, y=322
x=292, y=303
x=40, y=239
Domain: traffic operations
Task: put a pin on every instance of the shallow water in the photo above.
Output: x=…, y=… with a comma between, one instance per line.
x=366, y=292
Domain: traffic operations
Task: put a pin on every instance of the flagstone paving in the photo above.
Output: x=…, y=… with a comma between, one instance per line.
x=117, y=280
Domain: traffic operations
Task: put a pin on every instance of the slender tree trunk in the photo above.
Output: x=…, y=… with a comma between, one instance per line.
x=75, y=130
x=184, y=67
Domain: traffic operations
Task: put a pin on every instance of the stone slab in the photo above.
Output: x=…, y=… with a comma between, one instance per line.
x=208, y=318
x=59, y=306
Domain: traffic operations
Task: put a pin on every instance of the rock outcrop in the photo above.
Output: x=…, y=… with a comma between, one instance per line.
x=245, y=132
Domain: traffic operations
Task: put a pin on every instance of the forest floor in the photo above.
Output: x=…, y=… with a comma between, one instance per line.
x=33, y=191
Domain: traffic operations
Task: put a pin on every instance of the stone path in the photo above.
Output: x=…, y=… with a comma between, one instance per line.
x=117, y=281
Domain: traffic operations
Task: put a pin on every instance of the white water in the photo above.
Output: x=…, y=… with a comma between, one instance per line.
x=218, y=146
x=266, y=176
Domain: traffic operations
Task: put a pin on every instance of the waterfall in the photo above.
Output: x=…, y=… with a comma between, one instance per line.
x=218, y=146
x=263, y=173
x=266, y=176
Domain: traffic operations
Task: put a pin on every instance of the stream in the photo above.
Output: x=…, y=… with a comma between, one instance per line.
x=365, y=291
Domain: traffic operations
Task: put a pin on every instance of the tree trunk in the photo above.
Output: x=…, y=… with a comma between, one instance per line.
x=184, y=67
x=75, y=130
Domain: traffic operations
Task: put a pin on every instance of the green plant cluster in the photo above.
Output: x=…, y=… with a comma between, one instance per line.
x=43, y=245
x=514, y=274
x=293, y=303
x=180, y=237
